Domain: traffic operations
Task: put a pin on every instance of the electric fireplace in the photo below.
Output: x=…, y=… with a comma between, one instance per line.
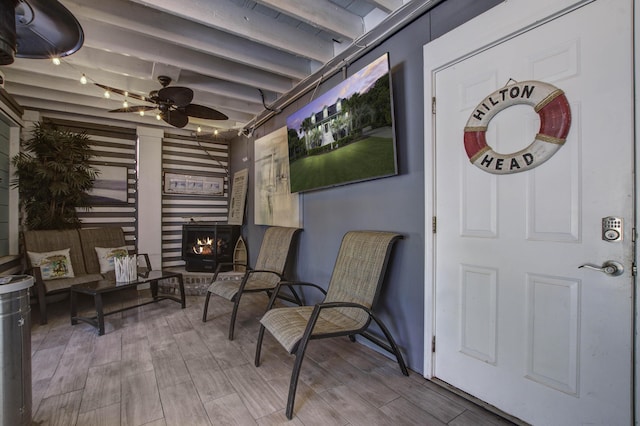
x=205, y=245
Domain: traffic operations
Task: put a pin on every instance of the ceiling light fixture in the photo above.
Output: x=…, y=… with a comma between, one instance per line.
x=56, y=60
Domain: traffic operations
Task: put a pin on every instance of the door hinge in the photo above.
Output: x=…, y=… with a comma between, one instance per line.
x=433, y=105
x=433, y=224
x=433, y=344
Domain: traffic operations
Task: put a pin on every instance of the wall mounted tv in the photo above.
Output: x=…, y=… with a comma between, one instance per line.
x=345, y=135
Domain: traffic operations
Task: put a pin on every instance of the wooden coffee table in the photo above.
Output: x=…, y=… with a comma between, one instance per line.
x=98, y=288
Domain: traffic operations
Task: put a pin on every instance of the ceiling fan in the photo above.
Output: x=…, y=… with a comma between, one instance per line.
x=174, y=103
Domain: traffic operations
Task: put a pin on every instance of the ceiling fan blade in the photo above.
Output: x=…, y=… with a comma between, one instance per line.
x=135, y=108
x=123, y=92
x=179, y=96
x=176, y=118
x=201, y=111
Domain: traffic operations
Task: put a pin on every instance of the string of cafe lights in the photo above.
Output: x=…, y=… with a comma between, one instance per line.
x=84, y=79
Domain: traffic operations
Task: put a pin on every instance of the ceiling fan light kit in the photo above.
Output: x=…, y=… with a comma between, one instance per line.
x=172, y=102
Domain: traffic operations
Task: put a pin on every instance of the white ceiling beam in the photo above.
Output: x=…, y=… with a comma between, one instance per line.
x=101, y=36
x=80, y=99
x=190, y=35
x=73, y=112
x=387, y=5
x=72, y=85
x=227, y=16
x=320, y=14
x=72, y=68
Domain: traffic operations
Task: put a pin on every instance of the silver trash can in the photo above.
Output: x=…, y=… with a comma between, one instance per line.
x=15, y=347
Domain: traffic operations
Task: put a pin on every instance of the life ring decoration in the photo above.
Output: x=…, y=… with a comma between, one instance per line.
x=555, y=120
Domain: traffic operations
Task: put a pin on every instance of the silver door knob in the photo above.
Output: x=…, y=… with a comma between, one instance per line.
x=610, y=267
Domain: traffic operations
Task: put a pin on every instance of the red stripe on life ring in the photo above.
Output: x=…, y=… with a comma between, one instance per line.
x=474, y=142
x=555, y=118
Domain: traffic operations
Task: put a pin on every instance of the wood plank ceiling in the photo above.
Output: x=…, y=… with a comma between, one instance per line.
x=232, y=53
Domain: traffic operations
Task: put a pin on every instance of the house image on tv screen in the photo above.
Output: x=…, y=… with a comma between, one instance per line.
x=346, y=135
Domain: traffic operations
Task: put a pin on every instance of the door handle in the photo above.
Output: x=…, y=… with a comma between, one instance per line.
x=610, y=267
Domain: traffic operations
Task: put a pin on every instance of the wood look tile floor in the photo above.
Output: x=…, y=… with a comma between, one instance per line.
x=161, y=365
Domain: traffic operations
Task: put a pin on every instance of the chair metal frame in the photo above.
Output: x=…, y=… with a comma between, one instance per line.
x=301, y=345
x=294, y=298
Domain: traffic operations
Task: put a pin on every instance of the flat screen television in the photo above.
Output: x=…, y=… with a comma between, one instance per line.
x=345, y=135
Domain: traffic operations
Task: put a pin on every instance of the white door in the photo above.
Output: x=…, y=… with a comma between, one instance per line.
x=517, y=323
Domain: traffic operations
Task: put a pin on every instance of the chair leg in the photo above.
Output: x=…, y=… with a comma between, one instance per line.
x=206, y=307
x=392, y=343
x=42, y=305
x=295, y=374
x=43, y=313
x=234, y=313
x=259, y=346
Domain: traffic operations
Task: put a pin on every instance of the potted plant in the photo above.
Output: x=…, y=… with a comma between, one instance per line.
x=53, y=177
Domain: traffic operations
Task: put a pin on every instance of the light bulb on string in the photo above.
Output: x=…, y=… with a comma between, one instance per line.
x=158, y=116
x=199, y=129
x=215, y=132
x=56, y=60
x=107, y=94
x=141, y=113
x=83, y=79
x=125, y=104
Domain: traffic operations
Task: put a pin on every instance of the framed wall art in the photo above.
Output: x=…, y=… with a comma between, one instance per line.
x=110, y=186
x=274, y=204
x=238, y=197
x=175, y=183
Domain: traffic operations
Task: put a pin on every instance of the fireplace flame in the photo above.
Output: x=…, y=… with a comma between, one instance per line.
x=203, y=246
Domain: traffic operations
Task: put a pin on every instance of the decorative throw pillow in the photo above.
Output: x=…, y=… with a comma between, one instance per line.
x=106, y=255
x=53, y=264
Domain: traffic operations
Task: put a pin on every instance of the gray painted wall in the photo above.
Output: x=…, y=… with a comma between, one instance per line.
x=393, y=204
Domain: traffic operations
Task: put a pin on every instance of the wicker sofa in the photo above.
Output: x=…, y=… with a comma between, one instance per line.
x=85, y=265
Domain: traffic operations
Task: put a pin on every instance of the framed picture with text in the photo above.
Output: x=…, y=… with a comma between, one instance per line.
x=175, y=183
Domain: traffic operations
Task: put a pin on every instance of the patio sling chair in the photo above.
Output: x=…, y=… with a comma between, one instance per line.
x=346, y=310
x=274, y=253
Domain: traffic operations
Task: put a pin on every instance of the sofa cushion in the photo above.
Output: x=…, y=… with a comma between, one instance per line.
x=106, y=256
x=90, y=238
x=53, y=264
x=64, y=283
x=49, y=240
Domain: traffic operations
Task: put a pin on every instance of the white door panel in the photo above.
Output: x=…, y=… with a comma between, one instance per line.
x=517, y=323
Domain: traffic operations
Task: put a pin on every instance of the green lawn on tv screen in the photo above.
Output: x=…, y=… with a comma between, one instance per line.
x=365, y=159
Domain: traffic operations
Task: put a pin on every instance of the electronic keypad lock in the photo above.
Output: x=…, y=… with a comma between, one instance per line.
x=612, y=229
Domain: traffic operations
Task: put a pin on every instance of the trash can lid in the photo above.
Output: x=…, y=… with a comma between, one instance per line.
x=11, y=283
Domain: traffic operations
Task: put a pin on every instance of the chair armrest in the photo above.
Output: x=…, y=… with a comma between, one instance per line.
x=302, y=283
x=291, y=284
x=250, y=271
x=40, y=289
x=329, y=305
x=147, y=262
x=221, y=264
